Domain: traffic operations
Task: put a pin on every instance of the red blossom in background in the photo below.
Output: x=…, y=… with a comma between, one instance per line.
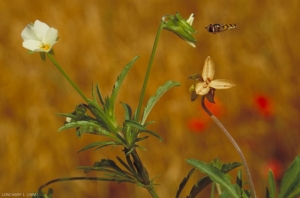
x=264, y=105
x=200, y=123
x=276, y=167
x=197, y=125
x=215, y=108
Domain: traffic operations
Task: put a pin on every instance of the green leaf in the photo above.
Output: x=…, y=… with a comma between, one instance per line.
x=229, y=166
x=141, y=128
x=184, y=181
x=99, y=95
x=89, y=127
x=50, y=193
x=99, y=145
x=118, y=84
x=199, y=186
x=214, y=174
x=109, y=122
x=205, y=181
x=134, y=124
x=141, y=138
x=152, y=101
x=126, y=166
x=43, y=56
x=110, y=164
x=128, y=111
x=239, y=182
x=152, y=133
x=290, y=184
x=272, y=186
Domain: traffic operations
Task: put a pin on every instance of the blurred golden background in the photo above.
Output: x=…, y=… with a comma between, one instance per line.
x=98, y=38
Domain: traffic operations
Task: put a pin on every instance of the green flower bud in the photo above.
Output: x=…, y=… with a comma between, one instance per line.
x=182, y=28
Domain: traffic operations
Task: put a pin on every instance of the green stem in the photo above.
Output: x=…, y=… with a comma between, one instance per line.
x=236, y=146
x=152, y=191
x=148, y=71
x=67, y=77
x=74, y=179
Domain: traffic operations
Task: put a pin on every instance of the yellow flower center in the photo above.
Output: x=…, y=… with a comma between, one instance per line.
x=45, y=47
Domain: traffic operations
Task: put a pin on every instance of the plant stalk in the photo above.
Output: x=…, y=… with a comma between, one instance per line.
x=148, y=71
x=67, y=77
x=237, y=148
x=73, y=179
x=141, y=171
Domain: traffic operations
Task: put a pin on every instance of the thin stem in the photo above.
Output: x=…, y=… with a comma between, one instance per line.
x=72, y=179
x=152, y=191
x=237, y=148
x=148, y=71
x=67, y=77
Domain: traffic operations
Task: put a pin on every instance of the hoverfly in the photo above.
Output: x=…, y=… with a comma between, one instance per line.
x=216, y=28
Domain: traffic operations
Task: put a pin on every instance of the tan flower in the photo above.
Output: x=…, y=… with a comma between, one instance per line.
x=208, y=85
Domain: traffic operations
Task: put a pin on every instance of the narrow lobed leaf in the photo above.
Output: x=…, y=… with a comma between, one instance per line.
x=183, y=182
x=215, y=175
x=153, y=100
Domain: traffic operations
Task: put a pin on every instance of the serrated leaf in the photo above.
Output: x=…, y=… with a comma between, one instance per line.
x=152, y=101
x=89, y=126
x=118, y=84
x=290, y=183
x=184, y=181
x=272, y=186
x=215, y=175
x=99, y=145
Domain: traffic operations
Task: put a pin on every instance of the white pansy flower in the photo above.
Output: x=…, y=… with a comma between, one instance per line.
x=39, y=37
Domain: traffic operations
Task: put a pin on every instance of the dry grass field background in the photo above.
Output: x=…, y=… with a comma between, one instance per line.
x=98, y=38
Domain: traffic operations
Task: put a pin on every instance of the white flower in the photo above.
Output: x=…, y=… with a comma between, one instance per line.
x=39, y=37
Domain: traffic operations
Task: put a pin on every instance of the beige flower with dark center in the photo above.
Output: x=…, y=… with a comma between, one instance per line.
x=208, y=86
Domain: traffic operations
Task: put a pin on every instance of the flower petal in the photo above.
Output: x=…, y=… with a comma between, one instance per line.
x=190, y=19
x=32, y=45
x=208, y=71
x=202, y=88
x=50, y=36
x=221, y=84
x=40, y=29
x=29, y=33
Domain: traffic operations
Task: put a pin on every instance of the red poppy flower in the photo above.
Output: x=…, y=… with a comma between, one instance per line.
x=196, y=125
x=264, y=105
